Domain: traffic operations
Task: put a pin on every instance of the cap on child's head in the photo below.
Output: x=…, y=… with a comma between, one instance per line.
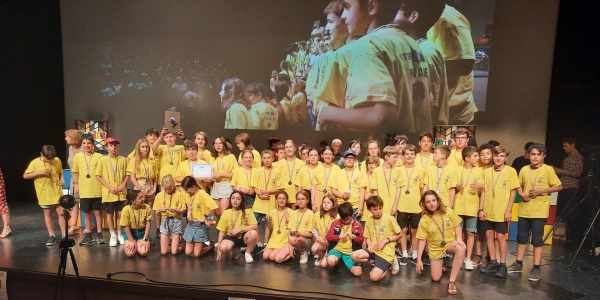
x=350, y=152
x=112, y=140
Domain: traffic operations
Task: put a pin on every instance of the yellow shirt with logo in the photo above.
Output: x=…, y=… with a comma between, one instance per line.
x=345, y=180
x=169, y=159
x=544, y=177
x=378, y=230
x=47, y=188
x=466, y=202
x=147, y=169
x=424, y=162
x=177, y=200
x=132, y=154
x=301, y=222
x=256, y=162
x=267, y=180
x=185, y=169
x=438, y=85
x=322, y=224
x=498, y=185
x=428, y=230
x=205, y=156
x=225, y=164
x=324, y=175
x=264, y=116
x=409, y=203
x=136, y=218
x=278, y=240
x=242, y=177
x=385, y=181
x=237, y=117
x=307, y=176
x=455, y=159
x=88, y=165
x=345, y=245
x=447, y=179
x=201, y=203
x=235, y=219
x=113, y=171
x=299, y=106
x=286, y=169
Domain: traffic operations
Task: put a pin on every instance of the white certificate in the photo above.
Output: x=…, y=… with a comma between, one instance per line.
x=202, y=170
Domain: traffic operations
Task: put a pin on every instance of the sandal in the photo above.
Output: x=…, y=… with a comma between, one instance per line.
x=5, y=234
x=452, y=288
x=73, y=231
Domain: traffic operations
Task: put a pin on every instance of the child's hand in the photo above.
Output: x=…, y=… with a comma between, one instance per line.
x=476, y=185
x=359, y=213
x=219, y=255
x=343, y=235
x=346, y=196
x=419, y=267
x=482, y=216
x=351, y=236
x=164, y=132
x=524, y=197
x=145, y=245
x=180, y=133
x=61, y=182
x=459, y=186
x=189, y=216
x=322, y=241
x=114, y=190
x=394, y=210
x=507, y=216
x=235, y=231
x=130, y=247
x=44, y=172
x=534, y=193
x=380, y=245
x=314, y=208
x=151, y=193
x=370, y=249
x=76, y=189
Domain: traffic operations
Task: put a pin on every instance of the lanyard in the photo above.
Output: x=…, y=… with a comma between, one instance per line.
x=468, y=177
x=300, y=220
x=532, y=181
x=369, y=182
x=50, y=164
x=408, y=177
x=327, y=176
x=88, y=164
x=439, y=178
x=378, y=230
x=267, y=178
x=426, y=162
x=328, y=223
x=147, y=169
x=170, y=201
x=248, y=179
x=219, y=164
x=279, y=221
x=136, y=221
x=350, y=180
x=387, y=181
x=309, y=176
x=495, y=182
x=233, y=221
x=171, y=154
x=441, y=228
x=114, y=168
x=458, y=163
x=290, y=172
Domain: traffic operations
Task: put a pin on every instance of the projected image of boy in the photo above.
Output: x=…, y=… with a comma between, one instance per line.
x=376, y=79
x=235, y=103
x=263, y=115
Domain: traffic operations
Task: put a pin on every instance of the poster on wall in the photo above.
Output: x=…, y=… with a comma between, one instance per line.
x=443, y=134
x=97, y=129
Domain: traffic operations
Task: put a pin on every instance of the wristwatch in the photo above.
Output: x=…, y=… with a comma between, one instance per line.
x=480, y=210
x=146, y=239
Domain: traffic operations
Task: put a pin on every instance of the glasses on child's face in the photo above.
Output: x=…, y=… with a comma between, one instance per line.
x=460, y=138
x=350, y=158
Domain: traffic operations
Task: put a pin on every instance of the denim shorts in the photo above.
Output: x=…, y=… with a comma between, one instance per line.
x=195, y=232
x=170, y=226
x=525, y=226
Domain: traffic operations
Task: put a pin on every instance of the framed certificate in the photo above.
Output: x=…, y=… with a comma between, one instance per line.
x=202, y=170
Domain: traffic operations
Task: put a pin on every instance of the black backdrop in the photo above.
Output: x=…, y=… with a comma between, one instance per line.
x=32, y=111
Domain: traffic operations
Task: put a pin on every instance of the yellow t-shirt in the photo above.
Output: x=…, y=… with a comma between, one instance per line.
x=237, y=117
x=438, y=85
x=384, y=66
x=307, y=176
x=385, y=182
x=47, y=189
x=177, y=200
x=447, y=179
x=315, y=84
x=353, y=181
x=363, y=164
x=299, y=105
x=455, y=159
x=147, y=169
x=428, y=230
x=345, y=245
x=378, y=230
x=132, y=154
x=256, y=163
x=452, y=34
x=301, y=222
x=424, y=162
x=225, y=164
x=323, y=224
x=291, y=118
x=279, y=229
x=205, y=156
x=185, y=168
x=285, y=170
x=409, y=203
x=136, y=218
x=88, y=165
x=113, y=171
x=324, y=175
x=267, y=180
x=543, y=177
x=201, y=203
x=264, y=116
x=242, y=177
x=231, y=220
x=169, y=159
x=498, y=185
x=466, y=202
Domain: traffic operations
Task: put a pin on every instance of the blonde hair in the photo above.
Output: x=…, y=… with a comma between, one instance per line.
x=168, y=180
x=75, y=137
x=138, y=154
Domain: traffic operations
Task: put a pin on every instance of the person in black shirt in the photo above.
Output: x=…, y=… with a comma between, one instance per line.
x=522, y=161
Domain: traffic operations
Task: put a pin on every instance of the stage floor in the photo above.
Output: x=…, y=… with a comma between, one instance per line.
x=26, y=250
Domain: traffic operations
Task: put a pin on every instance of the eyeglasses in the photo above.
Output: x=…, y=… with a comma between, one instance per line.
x=350, y=158
x=461, y=138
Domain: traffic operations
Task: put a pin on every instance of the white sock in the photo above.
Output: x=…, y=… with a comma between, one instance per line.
x=113, y=233
x=404, y=253
x=414, y=254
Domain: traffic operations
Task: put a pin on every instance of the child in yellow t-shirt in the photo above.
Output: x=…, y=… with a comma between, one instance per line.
x=348, y=185
x=440, y=230
x=243, y=142
x=467, y=197
x=400, y=141
x=170, y=204
x=237, y=228
x=301, y=226
x=289, y=168
x=278, y=228
x=242, y=178
x=386, y=180
x=235, y=103
x=535, y=193
x=170, y=155
x=370, y=165
x=112, y=174
x=266, y=181
x=185, y=168
x=48, y=179
x=461, y=137
x=135, y=224
x=199, y=212
x=143, y=173
x=224, y=163
x=307, y=178
x=424, y=158
x=441, y=177
x=322, y=220
x=381, y=233
x=200, y=138
x=262, y=114
x=151, y=136
x=495, y=208
x=344, y=236
x=409, y=211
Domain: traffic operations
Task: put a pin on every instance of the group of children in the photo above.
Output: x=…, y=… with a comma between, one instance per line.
x=447, y=201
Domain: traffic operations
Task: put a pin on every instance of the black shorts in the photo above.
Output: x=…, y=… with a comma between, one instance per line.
x=236, y=242
x=525, y=226
x=90, y=204
x=408, y=219
x=499, y=227
x=378, y=262
x=112, y=207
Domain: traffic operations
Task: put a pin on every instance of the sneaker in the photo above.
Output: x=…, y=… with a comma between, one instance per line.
x=491, y=267
x=476, y=261
x=258, y=249
x=151, y=241
x=318, y=261
x=100, y=239
x=448, y=260
x=515, y=268
x=243, y=249
x=249, y=258
x=395, y=266
x=303, y=257
x=404, y=261
x=502, y=273
x=113, y=241
x=535, y=275
x=158, y=233
x=51, y=240
x=399, y=253
x=87, y=239
x=413, y=261
x=469, y=265
x=426, y=260
x=121, y=240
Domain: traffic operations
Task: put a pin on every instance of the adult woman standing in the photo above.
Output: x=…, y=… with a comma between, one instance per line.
x=73, y=138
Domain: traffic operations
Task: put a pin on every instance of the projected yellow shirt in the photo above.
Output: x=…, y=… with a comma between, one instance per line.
x=466, y=202
x=291, y=118
x=136, y=218
x=264, y=116
x=498, y=185
x=452, y=34
x=177, y=200
x=299, y=105
x=113, y=171
x=441, y=180
x=385, y=66
x=89, y=186
x=438, y=85
x=47, y=188
x=428, y=230
x=231, y=220
x=544, y=177
x=266, y=180
x=409, y=203
x=169, y=159
x=379, y=230
x=237, y=117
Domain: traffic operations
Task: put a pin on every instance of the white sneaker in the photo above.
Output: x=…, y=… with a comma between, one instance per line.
x=304, y=257
x=121, y=240
x=249, y=258
x=395, y=266
x=113, y=241
x=469, y=265
x=318, y=261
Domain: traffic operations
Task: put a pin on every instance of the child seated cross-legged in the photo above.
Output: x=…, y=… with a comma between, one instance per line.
x=237, y=228
x=278, y=225
x=381, y=233
x=321, y=222
x=301, y=226
x=170, y=204
x=440, y=230
x=135, y=224
x=200, y=207
x=344, y=236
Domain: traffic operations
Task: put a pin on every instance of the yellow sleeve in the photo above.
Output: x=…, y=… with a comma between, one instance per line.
x=58, y=165
x=257, y=163
x=456, y=220
x=235, y=181
x=126, y=216
x=158, y=201
x=210, y=203
x=514, y=179
x=76, y=162
x=362, y=180
x=131, y=155
x=32, y=167
x=370, y=82
x=148, y=212
x=394, y=225
x=131, y=166
x=224, y=221
x=553, y=179
x=334, y=182
x=422, y=233
x=251, y=218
